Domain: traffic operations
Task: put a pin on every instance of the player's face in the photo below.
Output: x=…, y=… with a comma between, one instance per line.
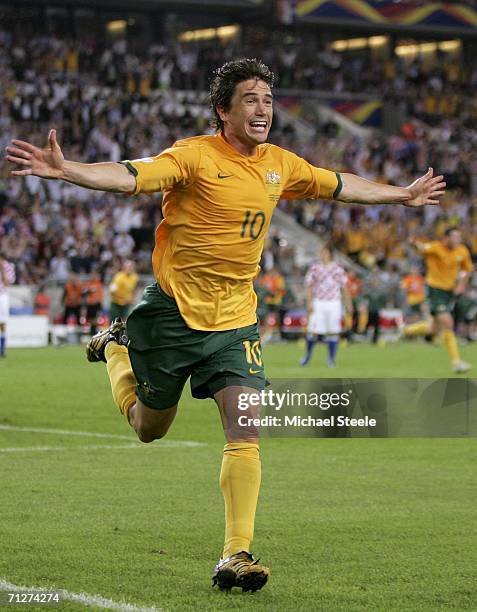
x=454, y=238
x=129, y=267
x=325, y=255
x=249, y=118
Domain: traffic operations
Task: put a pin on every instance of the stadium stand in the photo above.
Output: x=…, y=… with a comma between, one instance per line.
x=110, y=101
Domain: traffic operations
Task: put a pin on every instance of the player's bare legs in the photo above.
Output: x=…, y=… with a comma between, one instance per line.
x=240, y=483
x=444, y=324
x=110, y=346
x=310, y=341
x=228, y=401
x=3, y=330
x=148, y=423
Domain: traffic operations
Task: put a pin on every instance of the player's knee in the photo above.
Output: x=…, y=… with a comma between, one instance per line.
x=445, y=321
x=151, y=424
x=148, y=434
x=144, y=436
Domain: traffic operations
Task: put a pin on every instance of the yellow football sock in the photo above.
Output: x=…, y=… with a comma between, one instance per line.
x=421, y=328
x=362, y=322
x=240, y=482
x=450, y=342
x=123, y=383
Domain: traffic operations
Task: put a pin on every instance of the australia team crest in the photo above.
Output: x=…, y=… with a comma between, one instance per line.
x=272, y=178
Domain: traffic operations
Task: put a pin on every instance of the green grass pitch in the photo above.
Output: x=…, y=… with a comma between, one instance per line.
x=348, y=525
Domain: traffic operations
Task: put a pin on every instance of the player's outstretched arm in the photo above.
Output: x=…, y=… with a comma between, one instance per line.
x=419, y=245
x=49, y=163
x=425, y=190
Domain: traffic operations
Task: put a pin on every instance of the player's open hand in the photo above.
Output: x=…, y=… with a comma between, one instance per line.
x=426, y=190
x=46, y=163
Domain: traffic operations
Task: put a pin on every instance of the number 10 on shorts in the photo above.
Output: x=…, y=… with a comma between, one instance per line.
x=253, y=352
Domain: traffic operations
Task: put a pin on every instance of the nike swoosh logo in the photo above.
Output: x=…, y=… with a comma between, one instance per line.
x=253, y=371
x=222, y=176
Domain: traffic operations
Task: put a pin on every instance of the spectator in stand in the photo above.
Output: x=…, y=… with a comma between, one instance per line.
x=123, y=245
x=123, y=291
x=60, y=268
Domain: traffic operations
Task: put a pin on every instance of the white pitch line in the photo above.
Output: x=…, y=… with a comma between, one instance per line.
x=43, y=449
x=81, y=598
x=93, y=434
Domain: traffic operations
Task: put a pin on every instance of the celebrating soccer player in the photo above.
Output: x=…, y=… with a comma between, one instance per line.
x=449, y=265
x=199, y=319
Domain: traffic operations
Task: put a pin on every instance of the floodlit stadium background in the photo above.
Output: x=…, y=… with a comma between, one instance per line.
x=356, y=91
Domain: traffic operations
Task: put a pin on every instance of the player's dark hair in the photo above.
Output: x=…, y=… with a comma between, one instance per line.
x=227, y=77
x=451, y=229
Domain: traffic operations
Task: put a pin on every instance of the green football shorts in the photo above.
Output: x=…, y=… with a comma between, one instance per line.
x=116, y=310
x=164, y=352
x=414, y=309
x=440, y=300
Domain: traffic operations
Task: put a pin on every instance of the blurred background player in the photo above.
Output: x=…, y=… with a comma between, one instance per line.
x=413, y=286
x=72, y=295
x=272, y=291
x=266, y=330
x=326, y=292
x=42, y=301
x=7, y=278
x=357, y=319
x=374, y=300
x=123, y=290
x=93, y=293
x=465, y=314
x=448, y=268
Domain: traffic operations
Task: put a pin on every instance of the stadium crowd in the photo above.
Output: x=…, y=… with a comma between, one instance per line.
x=110, y=103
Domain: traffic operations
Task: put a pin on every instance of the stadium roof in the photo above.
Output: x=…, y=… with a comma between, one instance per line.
x=144, y=4
x=417, y=16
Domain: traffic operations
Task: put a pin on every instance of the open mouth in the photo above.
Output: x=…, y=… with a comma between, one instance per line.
x=258, y=126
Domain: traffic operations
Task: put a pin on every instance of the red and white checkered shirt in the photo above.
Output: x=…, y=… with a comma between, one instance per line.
x=326, y=281
x=9, y=272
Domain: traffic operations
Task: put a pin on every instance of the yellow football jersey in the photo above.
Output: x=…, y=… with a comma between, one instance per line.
x=217, y=208
x=122, y=288
x=444, y=264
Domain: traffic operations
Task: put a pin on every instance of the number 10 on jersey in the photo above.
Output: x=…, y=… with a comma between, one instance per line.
x=252, y=226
